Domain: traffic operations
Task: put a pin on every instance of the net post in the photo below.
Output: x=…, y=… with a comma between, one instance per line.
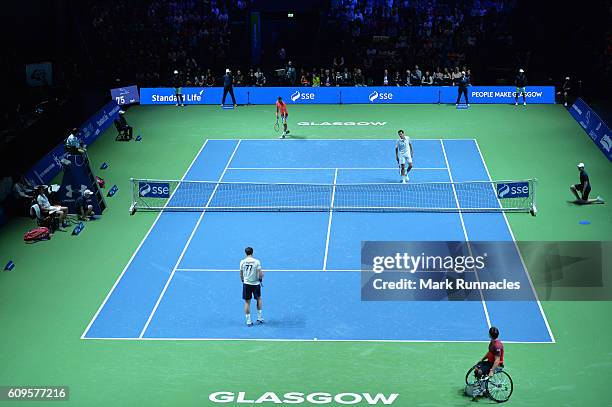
x=133, y=205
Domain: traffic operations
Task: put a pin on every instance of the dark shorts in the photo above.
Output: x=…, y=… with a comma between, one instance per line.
x=251, y=291
x=486, y=366
x=585, y=193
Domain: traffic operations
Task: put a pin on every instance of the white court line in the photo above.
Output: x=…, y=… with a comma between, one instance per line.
x=139, y=246
x=331, y=214
x=330, y=168
x=552, y=337
x=311, y=340
x=195, y=228
x=484, y=304
x=342, y=139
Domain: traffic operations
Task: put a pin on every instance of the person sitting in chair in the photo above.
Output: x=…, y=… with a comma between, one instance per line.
x=122, y=126
x=494, y=358
x=83, y=206
x=584, y=187
x=73, y=144
x=48, y=209
x=50, y=221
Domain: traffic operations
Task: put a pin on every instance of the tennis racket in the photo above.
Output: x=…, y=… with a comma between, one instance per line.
x=276, y=126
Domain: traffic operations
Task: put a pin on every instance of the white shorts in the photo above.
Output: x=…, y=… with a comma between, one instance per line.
x=405, y=159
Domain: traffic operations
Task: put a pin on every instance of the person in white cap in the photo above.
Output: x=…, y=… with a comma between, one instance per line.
x=520, y=82
x=83, y=206
x=584, y=188
x=228, y=86
x=178, y=89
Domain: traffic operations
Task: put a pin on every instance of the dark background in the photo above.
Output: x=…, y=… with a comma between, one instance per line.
x=551, y=39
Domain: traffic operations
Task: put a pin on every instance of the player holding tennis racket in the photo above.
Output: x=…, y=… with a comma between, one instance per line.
x=281, y=108
x=251, y=275
x=403, y=155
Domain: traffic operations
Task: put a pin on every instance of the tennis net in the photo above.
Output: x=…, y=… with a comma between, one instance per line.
x=473, y=196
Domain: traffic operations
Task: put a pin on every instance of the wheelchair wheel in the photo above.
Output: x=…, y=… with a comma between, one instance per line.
x=499, y=387
x=470, y=378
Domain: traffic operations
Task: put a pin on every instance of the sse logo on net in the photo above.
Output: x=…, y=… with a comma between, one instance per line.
x=154, y=189
x=297, y=95
x=513, y=190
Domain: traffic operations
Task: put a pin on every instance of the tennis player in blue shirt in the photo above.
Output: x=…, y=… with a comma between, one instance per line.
x=584, y=188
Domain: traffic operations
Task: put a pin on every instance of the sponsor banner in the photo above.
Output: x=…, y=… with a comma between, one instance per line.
x=50, y=165
x=390, y=94
x=294, y=95
x=192, y=96
x=513, y=190
x=348, y=95
x=125, y=95
x=154, y=189
x=499, y=94
x=597, y=130
x=481, y=270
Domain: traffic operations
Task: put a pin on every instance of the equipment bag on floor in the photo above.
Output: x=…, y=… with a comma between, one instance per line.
x=37, y=234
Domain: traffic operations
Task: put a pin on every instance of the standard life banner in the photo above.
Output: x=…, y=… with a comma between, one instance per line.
x=50, y=165
x=592, y=124
x=348, y=95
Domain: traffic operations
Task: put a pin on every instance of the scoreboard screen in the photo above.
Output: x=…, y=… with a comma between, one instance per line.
x=125, y=95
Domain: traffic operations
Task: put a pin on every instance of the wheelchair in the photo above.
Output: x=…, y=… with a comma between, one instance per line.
x=498, y=387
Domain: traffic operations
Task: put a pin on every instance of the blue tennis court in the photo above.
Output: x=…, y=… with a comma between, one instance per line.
x=182, y=282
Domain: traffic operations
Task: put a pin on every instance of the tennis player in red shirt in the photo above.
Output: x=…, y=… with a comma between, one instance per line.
x=281, y=108
x=494, y=358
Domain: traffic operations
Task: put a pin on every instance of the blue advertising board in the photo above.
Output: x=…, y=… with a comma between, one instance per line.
x=348, y=95
x=592, y=124
x=125, y=95
x=50, y=165
x=390, y=94
x=499, y=94
x=294, y=95
x=192, y=96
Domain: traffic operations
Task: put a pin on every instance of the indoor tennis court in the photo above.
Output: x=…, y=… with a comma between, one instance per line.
x=181, y=281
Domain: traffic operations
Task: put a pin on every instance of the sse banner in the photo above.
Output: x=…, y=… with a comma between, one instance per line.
x=348, y=95
x=592, y=124
x=50, y=165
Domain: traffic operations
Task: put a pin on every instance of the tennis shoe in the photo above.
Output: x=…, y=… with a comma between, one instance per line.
x=249, y=324
x=260, y=322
